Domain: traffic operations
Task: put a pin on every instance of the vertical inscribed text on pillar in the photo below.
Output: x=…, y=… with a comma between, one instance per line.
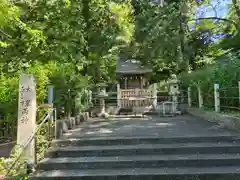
x=26, y=112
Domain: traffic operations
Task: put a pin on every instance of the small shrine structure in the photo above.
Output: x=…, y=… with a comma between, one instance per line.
x=133, y=89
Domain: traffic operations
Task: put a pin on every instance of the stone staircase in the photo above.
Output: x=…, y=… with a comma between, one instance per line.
x=142, y=158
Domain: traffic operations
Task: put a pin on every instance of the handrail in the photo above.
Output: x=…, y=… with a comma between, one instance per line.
x=29, y=140
x=4, y=144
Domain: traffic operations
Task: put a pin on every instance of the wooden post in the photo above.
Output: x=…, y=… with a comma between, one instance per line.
x=125, y=82
x=200, y=99
x=189, y=97
x=27, y=111
x=216, y=98
x=118, y=96
x=137, y=95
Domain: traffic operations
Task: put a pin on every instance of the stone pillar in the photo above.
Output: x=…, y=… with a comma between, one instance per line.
x=154, y=95
x=175, y=100
x=102, y=101
x=174, y=92
x=200, y=98
x=102, y=104
x=27, y=108
x=216, y=98
x=102, y=95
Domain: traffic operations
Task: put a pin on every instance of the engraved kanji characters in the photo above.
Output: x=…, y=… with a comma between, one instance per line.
x=24, y=119
x=25, y=103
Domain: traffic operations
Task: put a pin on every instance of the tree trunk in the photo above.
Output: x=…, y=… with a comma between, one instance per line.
x=86, y=15
x=184, y=63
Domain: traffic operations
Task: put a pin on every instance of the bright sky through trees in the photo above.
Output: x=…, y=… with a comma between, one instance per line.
x=217, y=8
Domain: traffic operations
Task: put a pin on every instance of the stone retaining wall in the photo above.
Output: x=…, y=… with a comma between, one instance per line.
x=222, y=120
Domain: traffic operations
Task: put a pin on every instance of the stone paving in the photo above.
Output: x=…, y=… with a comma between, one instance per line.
x=183, y=125
x=6, y=148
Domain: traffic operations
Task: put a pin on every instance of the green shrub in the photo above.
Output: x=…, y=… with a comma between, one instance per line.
x=226, y=75
x=67, y=86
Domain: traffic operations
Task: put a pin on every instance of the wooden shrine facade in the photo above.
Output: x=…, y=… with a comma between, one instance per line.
x=133, y=81
x=133, y=87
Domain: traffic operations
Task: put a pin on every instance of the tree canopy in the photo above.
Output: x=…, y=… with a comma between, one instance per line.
x=74, y=44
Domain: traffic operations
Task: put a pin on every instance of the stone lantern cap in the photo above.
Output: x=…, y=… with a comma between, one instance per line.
x=173, y=79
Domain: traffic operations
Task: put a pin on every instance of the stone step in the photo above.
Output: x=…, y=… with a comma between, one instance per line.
x=145, y=161
x=141, y=140
x=183, y=173
x=145, y=149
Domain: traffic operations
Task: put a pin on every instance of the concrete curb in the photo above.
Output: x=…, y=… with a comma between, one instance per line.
x=224, y=121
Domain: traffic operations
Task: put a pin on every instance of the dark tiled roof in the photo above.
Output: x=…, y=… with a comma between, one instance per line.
x=131, y=66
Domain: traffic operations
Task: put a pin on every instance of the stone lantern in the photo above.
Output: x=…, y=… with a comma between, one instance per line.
x=102, y=94
x=174, y=91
